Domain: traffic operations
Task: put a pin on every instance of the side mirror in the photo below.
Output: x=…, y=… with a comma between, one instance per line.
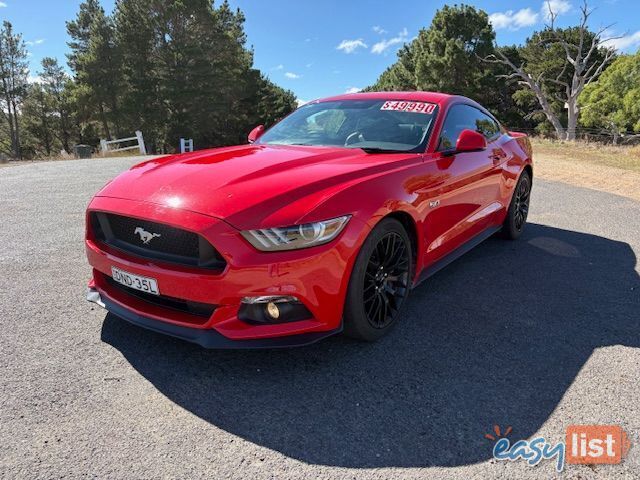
x=470, y=141
x=256, y=133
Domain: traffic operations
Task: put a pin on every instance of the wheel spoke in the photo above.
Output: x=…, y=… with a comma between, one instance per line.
x=370, y=297
x=384, y=307
x=372, y=305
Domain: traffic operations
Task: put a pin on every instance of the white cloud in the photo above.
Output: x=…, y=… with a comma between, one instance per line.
x=350, y=46
x=278, y=67
x=309, y=65
x=2, y=4
x=40, y=41
x=527, y=17
x=301, y=102
x=292, y=76
x=379, y=30
x=623, y=43
x=513, y=20
x=34, y=79
x=384, y=45
x=353, y=90
x=558, y=7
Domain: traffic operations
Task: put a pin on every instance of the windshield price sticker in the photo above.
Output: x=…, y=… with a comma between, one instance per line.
x=414, y=107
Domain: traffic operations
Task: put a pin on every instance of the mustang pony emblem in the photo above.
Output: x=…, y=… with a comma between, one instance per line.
x=145, y=236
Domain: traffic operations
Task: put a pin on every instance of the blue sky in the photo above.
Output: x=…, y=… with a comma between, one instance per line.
x=324, y=48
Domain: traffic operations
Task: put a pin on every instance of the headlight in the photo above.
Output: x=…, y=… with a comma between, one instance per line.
x=296, y=236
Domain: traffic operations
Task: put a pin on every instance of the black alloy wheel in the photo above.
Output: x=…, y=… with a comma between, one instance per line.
x=386, y=280
x=516, y=219
x=521, y=207
x=380, y=282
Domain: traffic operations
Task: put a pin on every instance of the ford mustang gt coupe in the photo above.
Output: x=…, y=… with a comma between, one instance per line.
x=323, y=223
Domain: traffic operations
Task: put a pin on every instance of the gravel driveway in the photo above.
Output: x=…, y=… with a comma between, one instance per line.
x=537, y=334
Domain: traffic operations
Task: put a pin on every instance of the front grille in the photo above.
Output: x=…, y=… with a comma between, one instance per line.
x=164, y=242
x=184, y=306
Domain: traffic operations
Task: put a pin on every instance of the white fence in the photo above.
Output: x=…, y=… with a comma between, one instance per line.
x=104, y=144
x=186, y=145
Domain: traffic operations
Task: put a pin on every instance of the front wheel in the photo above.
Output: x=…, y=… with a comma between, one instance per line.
x=516, y=220
x=379, y=283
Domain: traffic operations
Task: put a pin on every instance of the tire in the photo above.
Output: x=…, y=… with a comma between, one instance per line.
x=516, y=219
x=379, y=283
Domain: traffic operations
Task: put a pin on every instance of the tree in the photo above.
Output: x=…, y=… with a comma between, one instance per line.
x=57, y=84
x=39, y=120
x=13, y=83
x=269, y=103
x=556, y=65
x=446, y=56
x=613, y=102
x=171, y=68
x=401, y=76
x=96, y=61
x=80, y=31
x=187, y=73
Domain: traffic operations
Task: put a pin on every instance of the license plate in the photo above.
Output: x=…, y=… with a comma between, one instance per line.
x=137, y=282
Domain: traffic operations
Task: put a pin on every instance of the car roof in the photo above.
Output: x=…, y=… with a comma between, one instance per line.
x=419, y=96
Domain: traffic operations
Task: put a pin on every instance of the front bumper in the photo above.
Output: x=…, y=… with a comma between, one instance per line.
x=317, y=277
x=205, y=338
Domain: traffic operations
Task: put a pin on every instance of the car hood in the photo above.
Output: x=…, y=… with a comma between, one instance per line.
x=250, y=186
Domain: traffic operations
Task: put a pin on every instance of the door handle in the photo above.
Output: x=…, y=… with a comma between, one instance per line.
x=498, y=155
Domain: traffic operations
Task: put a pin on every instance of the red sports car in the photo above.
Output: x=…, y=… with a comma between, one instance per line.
x=322, y=223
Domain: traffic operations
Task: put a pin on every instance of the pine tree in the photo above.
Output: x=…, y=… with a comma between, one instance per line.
x=39, y=119
x=96, y=61
x=141, y=98
x=187, y=73
x=57, y=84
x=80, y=30
x=447, y=56
x=13, y=85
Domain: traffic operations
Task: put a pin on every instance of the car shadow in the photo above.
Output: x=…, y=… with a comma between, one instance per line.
x=496, y=337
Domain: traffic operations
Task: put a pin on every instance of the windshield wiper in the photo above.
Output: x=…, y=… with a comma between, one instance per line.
x=381, y=150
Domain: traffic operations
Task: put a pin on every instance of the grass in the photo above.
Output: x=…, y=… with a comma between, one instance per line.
x=623, y=157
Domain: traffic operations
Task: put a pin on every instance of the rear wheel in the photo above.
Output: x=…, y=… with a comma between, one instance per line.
x=379, y=283
x=516, y=220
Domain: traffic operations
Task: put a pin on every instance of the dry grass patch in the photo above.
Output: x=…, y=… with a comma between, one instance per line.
x=613, y=169
x=624, y=157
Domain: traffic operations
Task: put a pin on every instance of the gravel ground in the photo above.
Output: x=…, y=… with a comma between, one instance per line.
x=537, y=334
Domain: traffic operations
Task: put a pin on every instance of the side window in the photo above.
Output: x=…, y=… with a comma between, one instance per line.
x=459, y=117
x=487, y=126
x=462, y=117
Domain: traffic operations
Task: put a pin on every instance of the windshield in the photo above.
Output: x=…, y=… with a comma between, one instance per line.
x=375, y=125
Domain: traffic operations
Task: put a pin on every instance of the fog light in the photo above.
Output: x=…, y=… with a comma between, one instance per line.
x=273, y=310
